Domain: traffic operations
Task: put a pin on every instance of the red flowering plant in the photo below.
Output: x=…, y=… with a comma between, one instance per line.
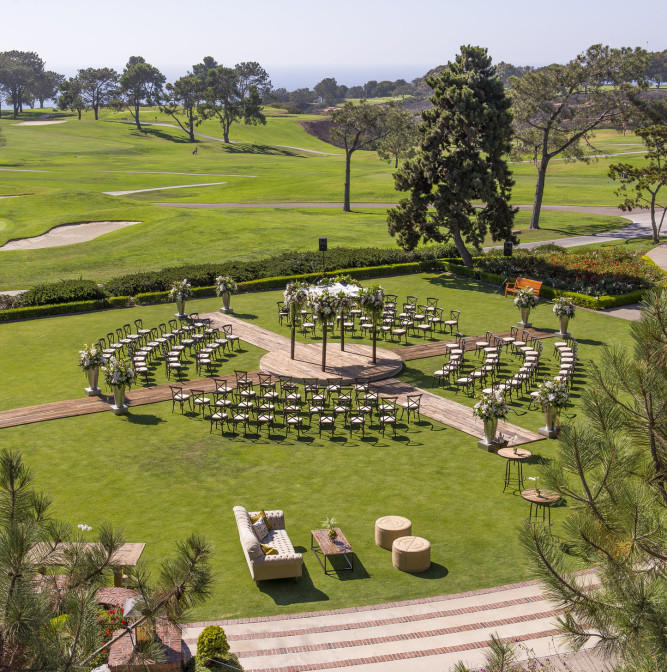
x=109, y=620
x=602, y=272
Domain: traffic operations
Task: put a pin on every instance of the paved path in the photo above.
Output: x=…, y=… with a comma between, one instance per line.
x=419, y=635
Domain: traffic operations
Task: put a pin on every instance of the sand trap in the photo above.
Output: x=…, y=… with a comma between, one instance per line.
x=68, y=234
x=40, y=123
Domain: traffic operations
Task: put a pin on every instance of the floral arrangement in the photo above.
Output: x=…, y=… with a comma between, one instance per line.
x=345, y=302
x=564, y=307
x=118, y=372
x=84, y=528
x=490, y=405
x=526, y=298
x=604, y=272
x=223, y=283
x=181, y=290
x=372, y=300
x=552, y=393
x=324, y=305
x=535, y=478
x=346, y=280
x=296, y=295
x=90, y=357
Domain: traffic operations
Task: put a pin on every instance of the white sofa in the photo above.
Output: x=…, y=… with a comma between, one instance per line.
x=286, y=564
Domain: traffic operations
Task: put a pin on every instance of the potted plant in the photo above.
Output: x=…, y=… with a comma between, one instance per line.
x=331, y=524
x=564, y=310
x=372, y=301
x=119, y=374
x=225, y=287
x=526, y=299
x=552, y=396
x=537, y=489
x=181, y=291
x=491, y=407
x=90, y=360
x=296, y=299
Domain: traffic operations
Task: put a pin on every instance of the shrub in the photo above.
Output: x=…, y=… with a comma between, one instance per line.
x=549, y=248
x=64, y=291
x=56, y=309
x=212, y=644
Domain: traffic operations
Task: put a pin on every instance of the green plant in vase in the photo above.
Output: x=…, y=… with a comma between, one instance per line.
x=331, y=524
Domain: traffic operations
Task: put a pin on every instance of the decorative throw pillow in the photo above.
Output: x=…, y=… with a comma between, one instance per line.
x=260, y=529
x=261, y=514
x=268, y=550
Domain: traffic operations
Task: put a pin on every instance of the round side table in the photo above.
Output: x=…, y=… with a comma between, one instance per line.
x=542, y=503
x=517, y=459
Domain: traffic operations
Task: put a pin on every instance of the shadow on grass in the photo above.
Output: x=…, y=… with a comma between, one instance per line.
x=286, y=591
x=143, y=418
x=243, y=148
x=435, y=571
x=162, y=135
x=246, y=316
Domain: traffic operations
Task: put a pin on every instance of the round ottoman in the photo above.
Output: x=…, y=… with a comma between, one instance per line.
x=411, y=554
x=389, y=528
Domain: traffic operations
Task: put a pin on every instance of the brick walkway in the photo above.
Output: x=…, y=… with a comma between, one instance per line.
x=432, y=633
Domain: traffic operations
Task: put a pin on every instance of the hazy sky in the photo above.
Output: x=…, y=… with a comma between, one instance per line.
x=300, y=42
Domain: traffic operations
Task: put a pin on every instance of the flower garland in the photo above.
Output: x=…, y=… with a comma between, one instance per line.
x=181, y=290
x=223, y=283
x=118, y=372
x=526, y=298
x=324, y=305
x=564, y=307
x=90, y=357
x=552, y=393
x=490, y=405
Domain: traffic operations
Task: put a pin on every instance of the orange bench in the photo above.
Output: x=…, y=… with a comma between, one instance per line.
x=523, y=283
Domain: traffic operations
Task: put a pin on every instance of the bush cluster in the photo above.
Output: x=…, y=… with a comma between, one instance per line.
x=64, y=291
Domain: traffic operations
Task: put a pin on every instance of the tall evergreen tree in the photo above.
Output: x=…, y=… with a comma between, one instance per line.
x=97, y=86
x=612, y=469
x=140, y=83
x=464, y=138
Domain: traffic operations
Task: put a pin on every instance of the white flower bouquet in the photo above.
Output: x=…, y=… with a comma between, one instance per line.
x=324, y=305
x=296, y=295
x=552, y=393
x=564, y=307
x=372, y=299
x=526, y=298
x=181, y=290
x=118, y=372
x=90, y=357
x=223, y=283
x=345, y=280
x=490, y=405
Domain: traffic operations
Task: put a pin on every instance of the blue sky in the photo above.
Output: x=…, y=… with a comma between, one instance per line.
x=299, y=42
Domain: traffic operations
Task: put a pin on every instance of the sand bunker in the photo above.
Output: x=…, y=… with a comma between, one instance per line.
x=68, y=234
x=40, y=123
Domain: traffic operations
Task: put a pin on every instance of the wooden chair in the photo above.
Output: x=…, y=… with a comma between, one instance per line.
x=180, y=396
x=412, y=405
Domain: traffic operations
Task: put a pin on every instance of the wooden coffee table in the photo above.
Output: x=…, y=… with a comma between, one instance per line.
x=322, y=544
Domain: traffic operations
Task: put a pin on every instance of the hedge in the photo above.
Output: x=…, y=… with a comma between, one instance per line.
x=55, y=309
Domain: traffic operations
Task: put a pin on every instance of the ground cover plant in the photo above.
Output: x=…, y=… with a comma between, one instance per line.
x=197, y=476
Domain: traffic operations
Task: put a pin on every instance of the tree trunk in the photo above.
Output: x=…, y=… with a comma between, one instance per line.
x=539, y=192
x=136, y=117
x=346, y=197
x=79, y=111
x=96, y=109
x=654, y=226
x=191, y=129
x=41, y=103
x=466, y=257
x=396, y=162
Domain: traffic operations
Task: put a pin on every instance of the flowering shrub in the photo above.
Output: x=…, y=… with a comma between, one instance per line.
x=223, y=283
x=602, y=272
x=109, y=621
x=563, y=306
x=90, y=357
x=552, y=393
x=181, y=290
x=526, y=298
x=491, y=405
x=118, y=372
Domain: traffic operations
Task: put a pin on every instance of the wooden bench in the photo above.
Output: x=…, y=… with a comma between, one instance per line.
x=523, y=283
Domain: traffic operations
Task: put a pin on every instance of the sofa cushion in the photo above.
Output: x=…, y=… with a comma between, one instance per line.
x=280, y=541
x=260, y=529
x=262, y=515
x=251, y=544
x=269, y=550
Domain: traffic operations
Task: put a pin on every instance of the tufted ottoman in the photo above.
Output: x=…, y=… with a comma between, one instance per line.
x=411, y=554
x=389, y=528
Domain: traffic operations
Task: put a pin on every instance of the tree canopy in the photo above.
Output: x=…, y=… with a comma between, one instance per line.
x=98, y=85
x=19, y=71
x=556, y=108
x=140, y=83
x=460, y=161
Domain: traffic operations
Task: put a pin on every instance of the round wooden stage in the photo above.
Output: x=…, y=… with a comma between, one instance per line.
x=354, y=363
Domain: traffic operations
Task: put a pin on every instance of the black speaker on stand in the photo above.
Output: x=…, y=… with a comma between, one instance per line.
x=323, y=250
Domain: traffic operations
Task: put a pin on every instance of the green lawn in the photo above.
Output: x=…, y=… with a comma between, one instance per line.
x=161, y=476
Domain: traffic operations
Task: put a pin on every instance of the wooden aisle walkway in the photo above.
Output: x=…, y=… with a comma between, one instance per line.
x=343, y=364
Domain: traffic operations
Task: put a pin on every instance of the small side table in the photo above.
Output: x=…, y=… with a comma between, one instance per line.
x=542, y=503
x=516, y=459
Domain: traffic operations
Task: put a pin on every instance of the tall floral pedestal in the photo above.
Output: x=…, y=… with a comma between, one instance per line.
x=180, y=310
x=489, y=442
x=564, y=320
x=523, y=323
x=119, y=407
x=225, y=303
x=93, y=375
x=549, y=429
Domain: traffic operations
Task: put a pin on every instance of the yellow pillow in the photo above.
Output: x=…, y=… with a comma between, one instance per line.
x=269, y=550
x=261, y=514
